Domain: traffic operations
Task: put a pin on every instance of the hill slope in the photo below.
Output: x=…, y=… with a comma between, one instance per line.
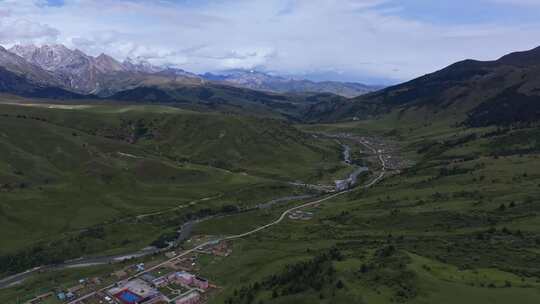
x=238, y=143
x=67, y=169
x=478, y=93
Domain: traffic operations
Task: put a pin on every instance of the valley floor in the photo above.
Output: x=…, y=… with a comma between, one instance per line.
x=446, y=215
x=458, y=226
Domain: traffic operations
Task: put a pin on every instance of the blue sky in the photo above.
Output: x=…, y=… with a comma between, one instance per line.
x=374, y=41
x=466, y=12
x=55, y=2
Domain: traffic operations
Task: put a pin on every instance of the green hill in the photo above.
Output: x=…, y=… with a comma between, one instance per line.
x=212, y=97
x=67, y=168
x=260, y=146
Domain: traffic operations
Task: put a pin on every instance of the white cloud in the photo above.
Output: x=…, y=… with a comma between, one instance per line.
x=352, y=37
x=22, y=30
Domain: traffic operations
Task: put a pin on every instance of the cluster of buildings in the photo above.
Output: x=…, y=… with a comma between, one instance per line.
x=222, y=249
x=188, y=279
x=67, y=294
x=135, y=291
x=178, y=287
x=171, y=282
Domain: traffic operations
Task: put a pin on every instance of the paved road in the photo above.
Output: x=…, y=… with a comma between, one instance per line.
x=238, y=236
x=16, y=278
x=284, y=200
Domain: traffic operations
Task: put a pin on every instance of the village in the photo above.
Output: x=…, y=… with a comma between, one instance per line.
x=171, y=277
x=387, y=149
x=173, y=280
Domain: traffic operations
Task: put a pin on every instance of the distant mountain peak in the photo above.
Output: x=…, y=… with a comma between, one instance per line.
x=20, y=66
x=23, y=50
x=106, y=63
x=141, y=64
x=73, y=68
x=50, y=57
x=264, y=81
x=175, y=72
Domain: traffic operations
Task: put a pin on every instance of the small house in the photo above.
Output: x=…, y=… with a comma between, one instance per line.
x=200, y=283
x=61, y=296
x=182, y=277
x=191, y=298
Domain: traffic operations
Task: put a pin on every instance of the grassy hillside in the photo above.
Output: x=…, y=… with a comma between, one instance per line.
x=475, y=93
x=257, y=146
x=67, y=168
x=459, y=225
x=212, y=97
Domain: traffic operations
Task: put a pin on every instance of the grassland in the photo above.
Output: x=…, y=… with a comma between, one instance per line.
x=78, y=180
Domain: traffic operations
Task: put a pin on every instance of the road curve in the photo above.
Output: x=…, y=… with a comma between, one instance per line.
x=286, y=212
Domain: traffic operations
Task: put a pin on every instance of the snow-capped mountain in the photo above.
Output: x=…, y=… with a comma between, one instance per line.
x=57, y=65
x=22, y=67
x=140, y=65
x=106, y=64
x=73, y=68
x=48, y=57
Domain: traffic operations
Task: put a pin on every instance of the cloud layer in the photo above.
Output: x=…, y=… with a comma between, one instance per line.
x=364, y=40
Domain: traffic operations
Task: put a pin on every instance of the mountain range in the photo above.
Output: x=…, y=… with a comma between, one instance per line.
x=474, y=93
x=102, y=75
x=72, y=70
